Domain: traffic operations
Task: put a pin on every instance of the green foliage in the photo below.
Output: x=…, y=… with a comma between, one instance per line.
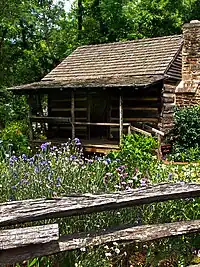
x=180, y=153
x=33, y=38
x=138, y=151
x=185, y=137
x=12, y=108
x=187, y=127
x=57, y=171
x=36, y=35
x=14, y=137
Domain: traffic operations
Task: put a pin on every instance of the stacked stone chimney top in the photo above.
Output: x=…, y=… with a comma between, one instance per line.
x=190, y=58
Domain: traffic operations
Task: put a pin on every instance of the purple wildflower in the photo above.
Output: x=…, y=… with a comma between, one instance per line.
x=12, y=160
x=77, y=142
x=170, y=176
x=72, y=157
x=24, y=157
x=58, y=179
x=44, y=146
x=143, y=181
x=13, y=187
x=108, y=161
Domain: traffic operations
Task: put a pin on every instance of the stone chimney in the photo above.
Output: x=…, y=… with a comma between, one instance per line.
x=188, y=90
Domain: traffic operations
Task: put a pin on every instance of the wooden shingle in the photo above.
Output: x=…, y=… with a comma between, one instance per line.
x=132, y=62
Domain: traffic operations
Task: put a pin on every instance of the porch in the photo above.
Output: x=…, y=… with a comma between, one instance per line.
x=98, y=117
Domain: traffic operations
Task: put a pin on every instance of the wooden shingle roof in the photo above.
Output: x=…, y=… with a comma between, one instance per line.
x=145, y=57
x=130, y=63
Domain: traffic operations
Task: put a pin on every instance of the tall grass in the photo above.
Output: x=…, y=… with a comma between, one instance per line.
x=60, y=171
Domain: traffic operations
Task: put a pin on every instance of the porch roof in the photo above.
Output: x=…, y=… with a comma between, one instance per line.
x=132, y=63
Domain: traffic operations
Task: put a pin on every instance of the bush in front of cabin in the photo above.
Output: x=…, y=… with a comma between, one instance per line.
x=185, y=137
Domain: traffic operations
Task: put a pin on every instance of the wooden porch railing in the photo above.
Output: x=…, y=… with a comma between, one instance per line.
x=21, y=244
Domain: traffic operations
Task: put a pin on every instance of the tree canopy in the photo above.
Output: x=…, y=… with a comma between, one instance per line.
x=36, y=35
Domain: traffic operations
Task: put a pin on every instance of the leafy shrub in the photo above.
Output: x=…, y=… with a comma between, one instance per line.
x=186, y=131
x=12, y=107
x=185, y=154
x=59, y=171
x=185, y=136
x=138, y=151
x=15, y=138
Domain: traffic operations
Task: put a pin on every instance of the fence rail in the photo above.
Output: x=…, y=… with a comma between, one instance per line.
x=24, y=243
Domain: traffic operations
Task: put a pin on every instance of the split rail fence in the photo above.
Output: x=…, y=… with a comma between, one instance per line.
x=18, y=243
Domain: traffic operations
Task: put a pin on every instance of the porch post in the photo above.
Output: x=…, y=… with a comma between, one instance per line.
x=72, y=114
x=30, y=101
x=88, y=114
x=120, y=118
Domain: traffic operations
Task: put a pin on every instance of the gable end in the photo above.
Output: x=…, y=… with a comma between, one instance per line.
x=174, y=70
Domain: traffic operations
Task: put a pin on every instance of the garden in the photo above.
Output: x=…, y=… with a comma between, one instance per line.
x=54, y=171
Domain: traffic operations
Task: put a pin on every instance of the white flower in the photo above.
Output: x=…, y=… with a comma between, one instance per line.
x=83, y=249
x=117, y=251
x=108, y=254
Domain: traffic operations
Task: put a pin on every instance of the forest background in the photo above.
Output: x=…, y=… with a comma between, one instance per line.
x=35, y=35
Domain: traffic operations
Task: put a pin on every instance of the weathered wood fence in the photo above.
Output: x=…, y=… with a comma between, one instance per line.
x=23, y=243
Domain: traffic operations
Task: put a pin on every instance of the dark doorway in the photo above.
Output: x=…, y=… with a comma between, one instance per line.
x=98, y=113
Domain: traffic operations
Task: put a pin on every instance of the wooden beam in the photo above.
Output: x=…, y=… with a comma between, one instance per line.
x=73, y=114
x=109, y=112
x=120, y=119
x=30, y=100
x=20, y=237
x=68, y=109
x=142, y=233
x=69, y=100
x=88, y=113
x=138, y=98
x=154, y=130
x=137, y=119
x=134, y=129
x=139, y=108
x=101, y=123
x=33, y=210
x=51, y=119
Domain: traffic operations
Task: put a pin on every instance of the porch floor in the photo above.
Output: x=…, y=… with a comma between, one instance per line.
x=92, y=146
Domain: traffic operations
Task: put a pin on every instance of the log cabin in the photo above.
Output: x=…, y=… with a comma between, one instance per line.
x=100, y=91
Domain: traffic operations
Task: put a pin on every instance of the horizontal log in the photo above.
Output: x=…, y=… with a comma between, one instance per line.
x=168, y=100
x=77, y=241
x=69, y=99
x=101, y=123
x=137, y=108
x=33, y=210
x=138, y=98
x=51, y=119
x=68, y=109
x=21, y=237
x=137, y=130
x=137, y=119
x=154, y=130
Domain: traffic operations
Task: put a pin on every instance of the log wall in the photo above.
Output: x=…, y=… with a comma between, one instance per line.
x=168, y=106
x=139, y=106
x=60, y=106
